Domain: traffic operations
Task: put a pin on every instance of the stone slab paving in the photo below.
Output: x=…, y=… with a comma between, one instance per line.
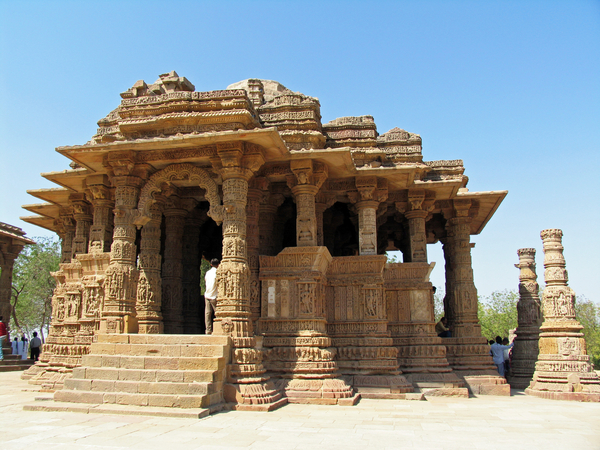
x=516, y=422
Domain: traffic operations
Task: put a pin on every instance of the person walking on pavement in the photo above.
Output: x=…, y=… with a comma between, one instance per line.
x=35, y=345
x=210, y=295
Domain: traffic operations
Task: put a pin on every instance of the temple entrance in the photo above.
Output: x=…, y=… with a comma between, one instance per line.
x=185, y=253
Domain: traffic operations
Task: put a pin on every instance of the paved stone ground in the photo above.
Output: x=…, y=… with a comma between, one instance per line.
x=518, y=422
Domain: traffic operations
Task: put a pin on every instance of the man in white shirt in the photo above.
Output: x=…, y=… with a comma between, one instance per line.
x=497, y=352
x=210, y=295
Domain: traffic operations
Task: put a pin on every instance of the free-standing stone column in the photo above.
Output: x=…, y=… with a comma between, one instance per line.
x=120, y=286
x=149, y=289
x=563, y=370
x=172, y=269
x=525, y=351
x=247, y=386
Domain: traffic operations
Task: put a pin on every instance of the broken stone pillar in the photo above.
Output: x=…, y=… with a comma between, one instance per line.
x=525, y=351
x=563, y=370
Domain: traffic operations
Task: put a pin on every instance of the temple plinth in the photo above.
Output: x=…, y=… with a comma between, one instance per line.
x=563, y=370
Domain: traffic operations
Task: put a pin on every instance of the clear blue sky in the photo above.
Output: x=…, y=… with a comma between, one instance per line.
x=510, y=87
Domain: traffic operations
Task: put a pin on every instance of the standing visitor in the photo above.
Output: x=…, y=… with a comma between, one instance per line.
x=497, y=352
x=15, y=346
x=3, y=334
x=25, y=344
x=35, y=345
x=210, y=295
x=507, y=355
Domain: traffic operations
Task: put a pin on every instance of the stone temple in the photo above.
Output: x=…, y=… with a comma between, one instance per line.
x=301, y=214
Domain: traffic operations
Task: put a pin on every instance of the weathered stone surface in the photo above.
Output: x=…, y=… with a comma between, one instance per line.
x=300, y=215
x=563, y=370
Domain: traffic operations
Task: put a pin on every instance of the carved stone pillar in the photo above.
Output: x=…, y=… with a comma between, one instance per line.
x=420, y=202
x=247, y=386
x=563, y=370
x=467, y=349
x=120, y=285
x=464, y=296
x=448, y=249
x=255, y=193
x=323, y=202
x=369, y=195
x=66, y=246
x=83, y=220
x=526, y=349
x=172, y=269
x=266, y=222
x=6, y=276
x=306, y=182
x=102, y=227
x=149, y=289
x=191, y=271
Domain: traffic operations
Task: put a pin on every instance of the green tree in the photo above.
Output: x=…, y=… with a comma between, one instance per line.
x=32, y=286
x=498, y=313
x=588, y=314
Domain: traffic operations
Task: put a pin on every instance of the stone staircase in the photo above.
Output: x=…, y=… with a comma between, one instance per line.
x=145, y=373
x=13, y=362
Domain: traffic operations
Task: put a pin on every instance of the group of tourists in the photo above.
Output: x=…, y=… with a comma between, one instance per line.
x=500, y=349
x=20, y=346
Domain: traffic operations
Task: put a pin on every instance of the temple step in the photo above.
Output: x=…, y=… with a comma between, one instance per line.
x=14, y=362
x=180, y=371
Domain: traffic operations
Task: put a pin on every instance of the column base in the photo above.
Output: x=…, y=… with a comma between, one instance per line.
x=327, y=391
x=573, y=386
x=253, y=396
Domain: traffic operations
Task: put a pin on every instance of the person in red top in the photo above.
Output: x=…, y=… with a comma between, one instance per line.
x=3, y=334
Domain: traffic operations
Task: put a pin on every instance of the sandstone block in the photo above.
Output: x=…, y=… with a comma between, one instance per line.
x=78, y=397
x=132, y=399
x=172, y=376
x=113, y=338
x=132, y=362
x=102, y=373
x=129, y=375
x=127, y=386
x=157, y=363
x=111, y=361
x=201, y=376
x=78, y=385
x=103, y=386
x=91, y=360
x=161, y=400
x=494, y=389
